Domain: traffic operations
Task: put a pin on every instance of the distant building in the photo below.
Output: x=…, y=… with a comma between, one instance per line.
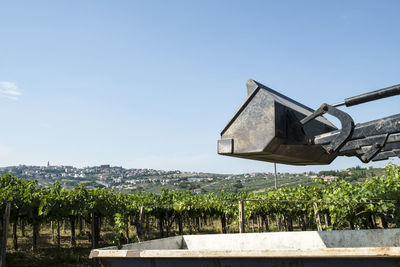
x=330, y=178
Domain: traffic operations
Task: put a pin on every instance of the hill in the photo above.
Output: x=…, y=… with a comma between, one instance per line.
x=149, y=180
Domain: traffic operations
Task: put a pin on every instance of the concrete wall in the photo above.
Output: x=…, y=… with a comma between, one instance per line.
x=294, y=240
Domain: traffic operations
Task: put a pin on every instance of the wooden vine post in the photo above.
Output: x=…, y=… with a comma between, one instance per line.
x=72, y=226
x=58, y=234
x=140, y=223
x=94, y=230
x=317, y=217
x=4, y=231
x=241, y=216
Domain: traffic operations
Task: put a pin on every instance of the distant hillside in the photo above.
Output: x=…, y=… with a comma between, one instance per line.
x=148, y=180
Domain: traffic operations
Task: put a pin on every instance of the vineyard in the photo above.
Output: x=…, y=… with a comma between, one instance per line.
x=100, y=214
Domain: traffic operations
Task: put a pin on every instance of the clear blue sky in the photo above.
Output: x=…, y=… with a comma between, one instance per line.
x=150, y=84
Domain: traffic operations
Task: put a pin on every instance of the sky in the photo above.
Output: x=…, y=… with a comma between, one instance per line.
x=151, y=84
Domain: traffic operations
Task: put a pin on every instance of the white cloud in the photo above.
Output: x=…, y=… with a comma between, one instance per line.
x=9, y=90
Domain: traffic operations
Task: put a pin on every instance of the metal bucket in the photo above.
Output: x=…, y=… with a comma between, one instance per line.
x=266, y=127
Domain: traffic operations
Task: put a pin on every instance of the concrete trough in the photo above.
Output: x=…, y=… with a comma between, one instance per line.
x=380, y=247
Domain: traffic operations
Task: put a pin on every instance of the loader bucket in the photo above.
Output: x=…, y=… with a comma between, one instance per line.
x=267, y=128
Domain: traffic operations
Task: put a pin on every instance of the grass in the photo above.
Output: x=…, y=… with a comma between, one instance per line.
x=48, y=254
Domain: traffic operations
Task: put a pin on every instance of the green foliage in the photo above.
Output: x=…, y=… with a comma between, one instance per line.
x=346, y=205
x=119, y=227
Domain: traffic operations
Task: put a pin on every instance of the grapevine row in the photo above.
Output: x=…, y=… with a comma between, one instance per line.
x=320, y=206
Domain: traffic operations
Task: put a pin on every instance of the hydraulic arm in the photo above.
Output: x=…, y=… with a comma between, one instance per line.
x=374, y=140
x=272, y=127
